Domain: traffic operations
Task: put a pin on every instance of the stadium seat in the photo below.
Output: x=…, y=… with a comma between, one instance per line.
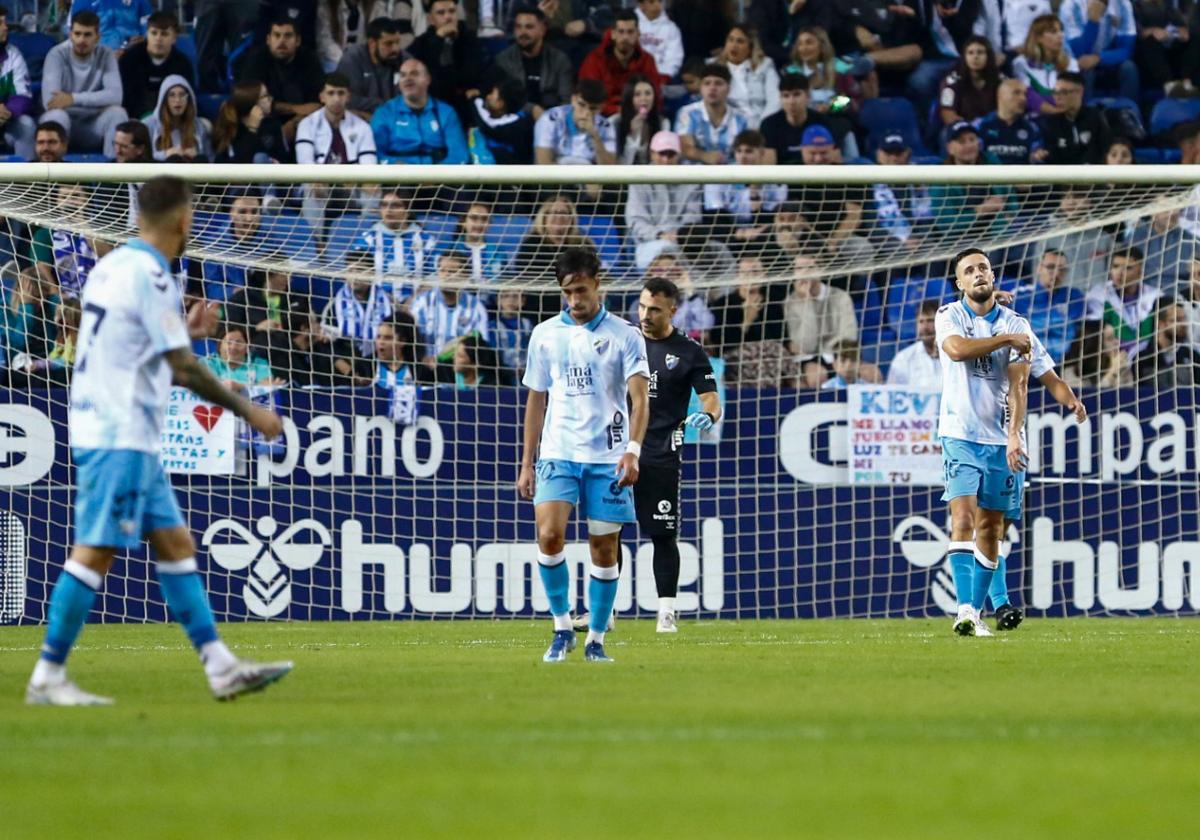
x=441, y=226
x=33, y=47
x=294, y=237
x=343, y=234
x=508, y=231
x=84, y=157
x=209, y=105
x=1170, y=112
x=904, y=299
x=186, y=44
x=609, y=244
x=885, y=116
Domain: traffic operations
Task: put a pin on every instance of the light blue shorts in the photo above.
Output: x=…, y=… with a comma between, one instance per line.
x=590, y=487
x=122, y=495
x=981, y=470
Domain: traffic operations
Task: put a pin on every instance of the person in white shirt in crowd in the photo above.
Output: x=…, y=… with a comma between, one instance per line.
x=918, y=365
x=447, y=311
x=486, y=258
x=707, y=128
x=403, y=252
x=743, y=213
x=578, y=132
x=332, y=134
x=818, y=316
x=849, y=368
x=660, y=37
x=81, y=87
x=754, y=81
x=360, y=304
x=656, y=213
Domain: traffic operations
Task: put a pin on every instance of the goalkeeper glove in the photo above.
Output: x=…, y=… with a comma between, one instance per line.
x=701, y=421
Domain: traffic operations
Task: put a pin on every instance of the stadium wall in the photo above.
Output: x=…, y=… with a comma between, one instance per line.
x=351, y=517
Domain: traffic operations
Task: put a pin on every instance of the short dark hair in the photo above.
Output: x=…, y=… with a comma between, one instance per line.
x=591, y=91
x=285, y=20
x=572, y=261
x=751, y=138
x=337, y=80
x=54, y=127
x=1072, y=77
x=625, y=14
x=657, y=285
x=163, y=20
x=718, y=70
x=929, y=306
x=847, y=348
x=693, y=66
x=3, y=11
x=793, y=81
x=87, y=19
x=161, y=196
x=1186, y=131
x=381, y=26
x=513, y=92
x=1130, y=252
x=530, y=10
x=137, y=130
x=962, y=255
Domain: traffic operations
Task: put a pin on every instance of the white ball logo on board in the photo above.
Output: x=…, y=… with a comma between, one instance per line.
x=267, y=591
x=26, y=445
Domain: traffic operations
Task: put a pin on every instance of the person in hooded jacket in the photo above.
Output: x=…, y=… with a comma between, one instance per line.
x=176, y=131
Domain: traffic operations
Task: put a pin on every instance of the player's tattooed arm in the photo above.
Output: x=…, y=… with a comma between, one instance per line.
x=962, y=349
x=187, y=371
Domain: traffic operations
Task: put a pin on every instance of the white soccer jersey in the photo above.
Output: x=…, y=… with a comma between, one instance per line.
x=975, y=393
x=132, y=315
x=585, y=368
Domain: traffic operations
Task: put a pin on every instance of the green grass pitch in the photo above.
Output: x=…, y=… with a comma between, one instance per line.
x=1078, y=728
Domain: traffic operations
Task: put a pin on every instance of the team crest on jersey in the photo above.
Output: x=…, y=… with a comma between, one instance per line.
x=601, y=344
x=672, y=361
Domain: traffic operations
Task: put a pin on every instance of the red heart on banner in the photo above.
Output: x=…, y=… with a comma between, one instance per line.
x=207, y=415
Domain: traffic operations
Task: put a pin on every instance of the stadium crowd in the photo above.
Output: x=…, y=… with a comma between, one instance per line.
x=797, y=82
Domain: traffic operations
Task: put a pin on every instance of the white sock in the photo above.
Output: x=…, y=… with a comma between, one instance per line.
x=666, y=605
x=46, y=672
x=563, y=622
x=593, y=636
x=217, y=657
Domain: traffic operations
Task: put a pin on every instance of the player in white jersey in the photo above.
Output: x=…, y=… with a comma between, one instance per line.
x=585, y=418
x=133, y=342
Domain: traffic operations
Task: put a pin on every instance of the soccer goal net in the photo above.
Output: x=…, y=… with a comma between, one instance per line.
x=385, y=312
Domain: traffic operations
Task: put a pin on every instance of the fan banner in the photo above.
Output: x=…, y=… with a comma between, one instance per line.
x=893, y=435
x=197, y=437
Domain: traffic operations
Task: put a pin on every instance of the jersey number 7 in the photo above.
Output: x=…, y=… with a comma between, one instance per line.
x=99, y=312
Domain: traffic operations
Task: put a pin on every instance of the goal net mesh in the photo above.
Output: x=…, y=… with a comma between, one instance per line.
x=388, y=324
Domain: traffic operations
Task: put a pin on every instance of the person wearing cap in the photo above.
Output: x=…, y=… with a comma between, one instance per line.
x=1080, y=133
x=901, y=213
x=964, y=209
x=743, y=213
x=817, y=147
x=817, y=204
x=707, y=128
x=659, y=215
x=617, y=58
x=784, y=130
x=1009, y=132
x=578, y=132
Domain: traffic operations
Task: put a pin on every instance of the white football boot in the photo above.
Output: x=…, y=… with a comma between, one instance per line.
x=666, y=622
x=244, y=677
x=63, y=693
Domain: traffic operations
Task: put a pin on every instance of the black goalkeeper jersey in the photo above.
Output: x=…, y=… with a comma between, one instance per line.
x=678, y=366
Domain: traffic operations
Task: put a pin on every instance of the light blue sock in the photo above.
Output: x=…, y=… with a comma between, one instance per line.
x=962, y=566
x=185, y=595
x=556, y=580
x=983, y=581
x=72, y=599
x=998, y=592
x=602, y=593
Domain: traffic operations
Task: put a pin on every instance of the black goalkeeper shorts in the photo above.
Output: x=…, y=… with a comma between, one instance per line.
x=656, y=497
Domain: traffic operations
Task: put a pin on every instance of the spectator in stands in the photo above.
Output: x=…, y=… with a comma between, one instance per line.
x=1044, y=56
x=849, y=369
x=485, y=257
x=145, y=65
x=706, y=128
x=1087, y=251
x=743, y=213
x=64, y=258
x=1079, y=133
x=236, y=367
x=1010, y=134
x=446, y=310
x=503, y=123
x=416, y=128
x=754, y=81
x=545, y=70
x=692, y=313
x=1172, y=361
x=246, y=131
x=290, y=70
x=1125, y=303
x=1102, y=35
x=969, y=90
x=220, y=24
x=1053, y=307
x=176, y=131
x=115, y=204
x=50, y=142
x=345, y=26
x=902, y=213
x=311, y=358
x=832, y=215
x=555, y=228
x=919, y=365
x=360, y=303
x=834, y=85
x=748, y=332
x=889, y=33
x=28, y=312
x=268, y=311
x=617, y=59
x=371, y=66
x=638, y=120
x=81, y=87
x=396, y=363
x=1170, y=250
x=132, y=144
x=1096, y=360
x=575, y=26
x=66, y=331
x=16, y=100
x=399, y=247
x=659, y=36
x=655, y=214
x=962, y=209
x=511, y=330
x=121, y=21
x=452, y=54
x=1119, y=152
x=784, y=130
x=818, y=317
x=1017, y=18
x=1188, y=296
x=242, y=235
x=578, y=132
x=1167, y=56
x=477, y=363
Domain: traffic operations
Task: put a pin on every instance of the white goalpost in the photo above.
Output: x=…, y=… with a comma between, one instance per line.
x=383, y=310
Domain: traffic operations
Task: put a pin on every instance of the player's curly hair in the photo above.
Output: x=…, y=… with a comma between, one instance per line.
x=573, y=261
